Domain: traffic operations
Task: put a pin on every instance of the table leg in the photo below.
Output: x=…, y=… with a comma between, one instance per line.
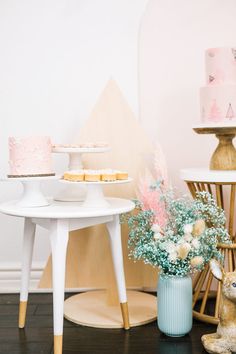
x=59, y=239
x=28, y=243
x=117, y=257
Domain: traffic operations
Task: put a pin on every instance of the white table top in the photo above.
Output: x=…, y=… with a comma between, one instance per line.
x=67, y=210
x=215, y=126
x=206, y=175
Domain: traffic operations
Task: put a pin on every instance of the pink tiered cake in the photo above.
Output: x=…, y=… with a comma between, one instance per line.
x=30, y=156
x=218, y=97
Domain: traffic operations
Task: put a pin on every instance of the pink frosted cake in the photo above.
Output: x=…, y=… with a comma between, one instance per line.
x=218, y=97
x=30, y=156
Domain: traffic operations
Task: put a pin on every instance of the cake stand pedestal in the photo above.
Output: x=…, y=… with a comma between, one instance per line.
x=224, y=157
x=95, y=198
x=32, y=195
x=75, y=192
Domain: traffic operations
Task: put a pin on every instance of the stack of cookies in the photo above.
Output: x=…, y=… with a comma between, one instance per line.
x=105, y=175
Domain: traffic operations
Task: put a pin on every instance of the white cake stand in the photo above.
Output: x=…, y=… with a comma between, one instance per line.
x=95, y=197
x=32, y=195
x=75, y=192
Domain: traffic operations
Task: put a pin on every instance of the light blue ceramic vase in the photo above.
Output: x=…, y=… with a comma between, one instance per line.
x=174, y=305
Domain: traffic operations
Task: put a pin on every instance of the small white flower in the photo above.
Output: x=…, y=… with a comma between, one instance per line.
x=181, y=241
x=162, y=246
x=172, y=256
x=157, y=236
x=170, y=247
x=188, y=228
x=188, y=237
x=196, y=243
x=156, y=228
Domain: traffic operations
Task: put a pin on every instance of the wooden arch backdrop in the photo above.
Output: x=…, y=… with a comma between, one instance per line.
x=89, y=261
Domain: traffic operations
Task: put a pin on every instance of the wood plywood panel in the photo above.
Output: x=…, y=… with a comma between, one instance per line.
x=88, y=258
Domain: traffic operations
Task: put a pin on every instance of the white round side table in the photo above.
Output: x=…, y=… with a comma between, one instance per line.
x=60, y=218
x=222, y=185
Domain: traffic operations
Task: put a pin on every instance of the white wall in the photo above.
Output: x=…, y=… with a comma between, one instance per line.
x=56, y=57
x=173, y=38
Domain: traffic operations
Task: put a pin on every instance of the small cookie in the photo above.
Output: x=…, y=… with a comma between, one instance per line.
x=92, y=176
x=108, y=175
x=74, y=175
x=121, y=175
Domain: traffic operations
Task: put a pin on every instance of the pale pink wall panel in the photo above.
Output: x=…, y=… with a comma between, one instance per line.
x=173, y=38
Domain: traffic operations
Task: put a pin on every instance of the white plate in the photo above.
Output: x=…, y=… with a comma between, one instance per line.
x=97, y=182
x=80, y=150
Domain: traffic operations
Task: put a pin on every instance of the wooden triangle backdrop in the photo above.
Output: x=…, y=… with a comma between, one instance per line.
x=88, y=257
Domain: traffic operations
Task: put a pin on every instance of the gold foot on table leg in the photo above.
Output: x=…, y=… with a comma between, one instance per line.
x=125, y=314
x=58, y=344
x=22, y=314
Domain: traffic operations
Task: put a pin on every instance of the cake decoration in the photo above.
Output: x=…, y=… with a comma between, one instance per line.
x=211, y=78
x=215, y=113
x=230, y=113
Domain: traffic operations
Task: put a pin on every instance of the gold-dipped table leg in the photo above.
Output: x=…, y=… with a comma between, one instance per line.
x=125, y=314
x=22, y=313
x=58, y=344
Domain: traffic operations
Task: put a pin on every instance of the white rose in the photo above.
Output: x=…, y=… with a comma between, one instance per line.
x=188, y=228
x=170, y=247
x=196, y=243
x=156, y=228
x=188, y=237
x=183, y=250
x=157, y=236
x=199, y=227
x=172, y=256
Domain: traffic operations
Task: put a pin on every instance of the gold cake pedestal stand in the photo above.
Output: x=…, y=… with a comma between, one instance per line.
x=224, y=157
x=222, y=186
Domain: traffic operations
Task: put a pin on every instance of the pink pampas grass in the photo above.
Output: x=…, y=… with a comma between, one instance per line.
x=152, y=185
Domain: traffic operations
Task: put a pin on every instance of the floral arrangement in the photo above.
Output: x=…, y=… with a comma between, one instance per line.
x=176, y=234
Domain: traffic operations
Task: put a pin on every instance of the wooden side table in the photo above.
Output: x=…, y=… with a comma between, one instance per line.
x=222, y=185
